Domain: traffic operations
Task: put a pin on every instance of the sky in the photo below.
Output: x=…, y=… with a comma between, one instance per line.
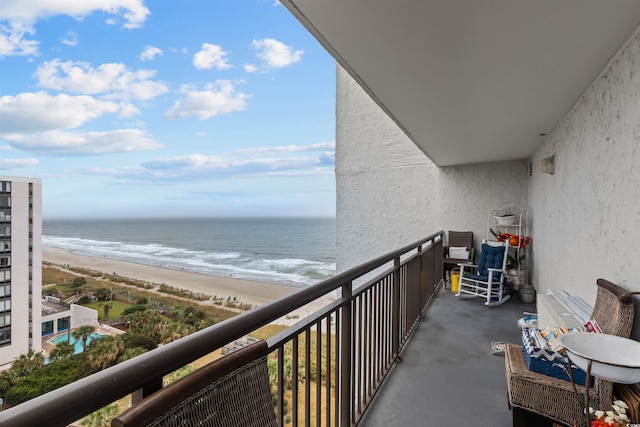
x=152, y=108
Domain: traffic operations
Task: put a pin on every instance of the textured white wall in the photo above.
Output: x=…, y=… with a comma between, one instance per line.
x=390, y=194
x=587, y=215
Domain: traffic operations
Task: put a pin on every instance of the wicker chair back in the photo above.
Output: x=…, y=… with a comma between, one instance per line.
x=232, y=391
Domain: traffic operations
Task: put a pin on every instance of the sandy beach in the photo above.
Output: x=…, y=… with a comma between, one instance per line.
x=245, y=291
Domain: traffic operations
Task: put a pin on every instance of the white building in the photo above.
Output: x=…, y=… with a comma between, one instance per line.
x=20, y=266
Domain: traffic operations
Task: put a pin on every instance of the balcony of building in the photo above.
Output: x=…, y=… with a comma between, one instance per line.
x=394, y=318
x=448, y=374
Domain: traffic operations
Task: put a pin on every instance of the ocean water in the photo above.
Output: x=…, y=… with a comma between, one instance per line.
x=299, y=251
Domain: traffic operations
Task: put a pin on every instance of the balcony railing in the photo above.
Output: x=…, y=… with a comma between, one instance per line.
x=327, y=367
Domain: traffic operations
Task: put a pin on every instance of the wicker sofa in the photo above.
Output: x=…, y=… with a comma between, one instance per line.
x=554, y=398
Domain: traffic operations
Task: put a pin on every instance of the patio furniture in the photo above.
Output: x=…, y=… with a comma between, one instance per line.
x=232, y=391
x=486, y=279
x=458, y=239
x=555, y=398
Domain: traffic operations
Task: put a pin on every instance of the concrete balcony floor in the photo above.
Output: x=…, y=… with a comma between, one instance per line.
x=448, y=375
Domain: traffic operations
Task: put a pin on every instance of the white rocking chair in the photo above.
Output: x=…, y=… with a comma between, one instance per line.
x=487, y=278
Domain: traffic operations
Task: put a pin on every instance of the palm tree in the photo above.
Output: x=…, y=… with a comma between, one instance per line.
x=104, y=352
x=27, y=363
x=62, y=351
x=107, y=309
x=150, y=323
x=83, y=333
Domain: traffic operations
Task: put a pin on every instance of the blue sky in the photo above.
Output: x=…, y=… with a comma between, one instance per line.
x=133, y=108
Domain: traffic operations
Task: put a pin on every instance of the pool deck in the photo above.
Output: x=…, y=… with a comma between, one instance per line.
x=47, y=346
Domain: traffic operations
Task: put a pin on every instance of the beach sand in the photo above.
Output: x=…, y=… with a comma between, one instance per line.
x=244, y=291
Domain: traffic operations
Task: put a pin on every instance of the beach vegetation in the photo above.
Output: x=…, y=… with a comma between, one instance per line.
x=101, y=418
x=176, y=375
x=130, y=353
x=102, y=294
x=133, y=308
x=129, y=281
x=155, y=325
x=144, y=294
x=17, y=386
x=133, y=340
x=183, y=293
x=78, y=284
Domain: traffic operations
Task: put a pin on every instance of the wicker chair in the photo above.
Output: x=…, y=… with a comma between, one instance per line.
x=232, y=391
x=554, y=398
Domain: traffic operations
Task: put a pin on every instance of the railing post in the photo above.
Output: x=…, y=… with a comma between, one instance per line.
x=421, y=278
x=345, y=355
x=395, y=310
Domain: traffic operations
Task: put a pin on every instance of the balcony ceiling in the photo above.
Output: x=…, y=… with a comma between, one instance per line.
x=472, y=81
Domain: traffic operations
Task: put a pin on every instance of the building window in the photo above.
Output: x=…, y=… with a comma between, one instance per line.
x=5, y=305
x=47, y=328
x=5, y=261
x=5, y=335
x=5, y=201
x=63, y=324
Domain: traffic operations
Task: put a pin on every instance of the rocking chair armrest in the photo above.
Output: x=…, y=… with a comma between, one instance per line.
x=469, y=267
x=466, y=264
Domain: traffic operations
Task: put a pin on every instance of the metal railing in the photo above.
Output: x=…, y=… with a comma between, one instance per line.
x=328, y=365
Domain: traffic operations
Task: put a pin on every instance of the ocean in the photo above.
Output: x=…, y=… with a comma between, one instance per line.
x=298, y=251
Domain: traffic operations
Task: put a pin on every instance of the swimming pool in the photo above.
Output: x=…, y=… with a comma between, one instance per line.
x=76, y=344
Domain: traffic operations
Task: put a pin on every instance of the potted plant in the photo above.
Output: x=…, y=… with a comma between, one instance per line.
x=514, y=271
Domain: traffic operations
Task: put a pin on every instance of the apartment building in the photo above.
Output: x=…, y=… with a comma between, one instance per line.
x=20, y=266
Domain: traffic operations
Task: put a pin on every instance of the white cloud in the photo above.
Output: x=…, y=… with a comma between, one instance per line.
x=17, y=19
x=62, y=143
x=214, y=99
x=211, y=56
x=250, y=68
x=38, y=112
x=195, y=166
x=70, y=39
x=42, y=123
x=150, y=52
x=321, y=146
x=276, y=54
x=6, y=164
x=13, y=40
x=112, y=81
x=29, y=11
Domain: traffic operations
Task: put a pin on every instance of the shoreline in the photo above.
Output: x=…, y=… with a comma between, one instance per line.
x=245, y=291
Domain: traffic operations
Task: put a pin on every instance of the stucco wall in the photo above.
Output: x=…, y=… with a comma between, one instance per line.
x=389, y=194
x=588, y=213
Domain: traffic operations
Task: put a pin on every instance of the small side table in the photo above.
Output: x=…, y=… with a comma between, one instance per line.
x=609, y=357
